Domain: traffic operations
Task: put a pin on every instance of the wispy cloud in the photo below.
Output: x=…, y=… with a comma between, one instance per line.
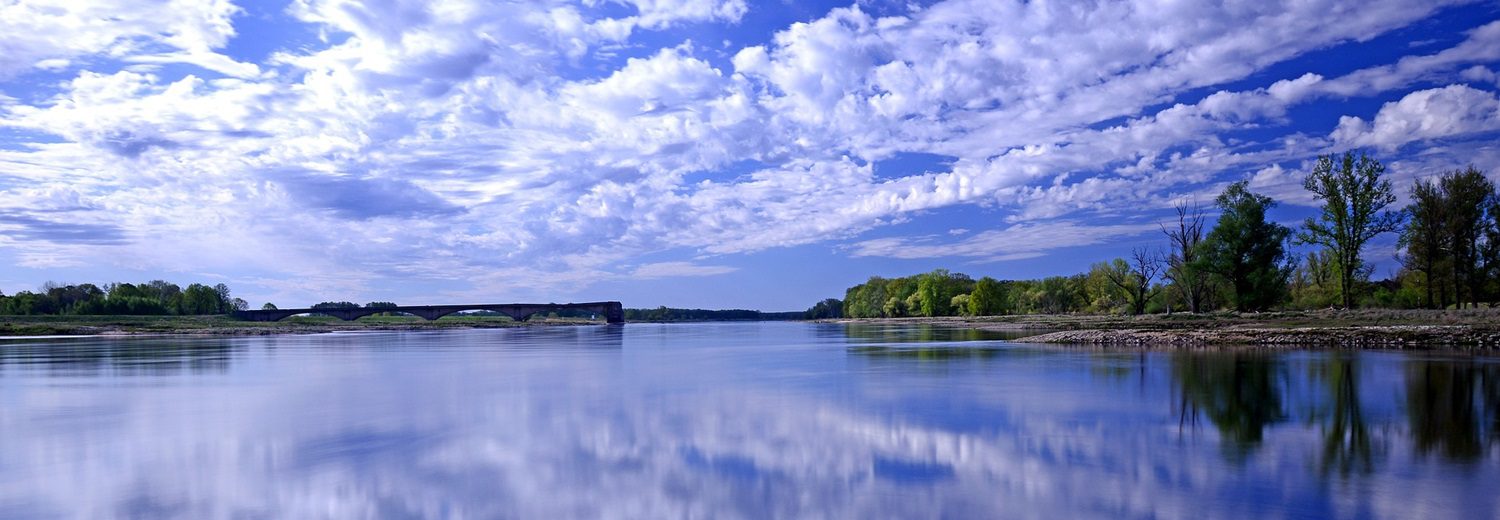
x=1015, y=242
x=678, y=269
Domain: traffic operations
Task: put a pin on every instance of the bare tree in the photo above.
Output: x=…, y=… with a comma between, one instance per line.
x=1135, y=280
x=1181, y=270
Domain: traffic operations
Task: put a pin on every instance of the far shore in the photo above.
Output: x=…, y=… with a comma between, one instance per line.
x=1470, y=329
x=18, y=327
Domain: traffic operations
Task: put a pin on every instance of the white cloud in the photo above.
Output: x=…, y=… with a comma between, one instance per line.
x=1480, y=73
x=1425, y=114
x=1015, y=242
x=1481, y=44
x=478, y=138
x=50, y=34
x=678, y=269
x=656, y=14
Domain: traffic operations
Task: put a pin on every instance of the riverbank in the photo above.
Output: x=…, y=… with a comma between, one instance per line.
x=1375, y=328
x=12, y=326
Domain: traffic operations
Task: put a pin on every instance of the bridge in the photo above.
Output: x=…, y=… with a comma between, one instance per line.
x=613, y=312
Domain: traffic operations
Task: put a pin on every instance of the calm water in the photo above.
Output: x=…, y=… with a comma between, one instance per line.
x=755, y=420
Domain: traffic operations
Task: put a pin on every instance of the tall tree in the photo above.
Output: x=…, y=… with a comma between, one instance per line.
x=1354, y=199
x=1182, y=270
x=1423, y=239
x=1247, y=251
x=1468, y=194
x=1492, y=247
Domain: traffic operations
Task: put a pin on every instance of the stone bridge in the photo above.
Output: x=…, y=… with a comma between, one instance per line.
x=613, y=312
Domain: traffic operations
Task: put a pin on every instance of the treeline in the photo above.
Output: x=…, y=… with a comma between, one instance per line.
x=155, y=297
x=1449, y=237
x=671, y=314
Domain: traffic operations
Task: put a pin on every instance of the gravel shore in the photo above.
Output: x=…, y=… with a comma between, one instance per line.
x=1470, y=329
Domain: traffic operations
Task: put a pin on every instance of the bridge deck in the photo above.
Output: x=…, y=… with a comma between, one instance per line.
x=613, y=311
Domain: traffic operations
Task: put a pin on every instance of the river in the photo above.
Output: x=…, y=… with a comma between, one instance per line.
x=735, y=420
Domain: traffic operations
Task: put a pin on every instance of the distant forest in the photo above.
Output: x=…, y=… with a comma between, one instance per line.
x=155, y=297
x=161, y=298
x=1448, y=236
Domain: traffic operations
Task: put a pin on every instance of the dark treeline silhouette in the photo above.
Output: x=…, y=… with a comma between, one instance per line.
x=671, y=314
x=1452, y=242
x=1449, y=236
x=153, y=298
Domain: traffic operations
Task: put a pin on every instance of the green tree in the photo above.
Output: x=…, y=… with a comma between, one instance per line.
x=1354, y=199
x=930, y=300
x=960, y=304
x=1133, y=278
x=225, y=302
x=865, y=300
x=1423, y=240
x=826, y=309
x=1058, y=294
x=1102, y=293
x=200, y=299
x=1247, y=251
x=893, y=307
x=1467, y=195
x=934, y=292
x=382, y=305
x=988, y=298
x=26, y=303
x=1313, y=282
x=268, y=307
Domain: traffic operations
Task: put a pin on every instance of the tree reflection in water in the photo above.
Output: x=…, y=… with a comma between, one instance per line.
x=921, y=333
x=1240, y=393
x=1347, y=444
x=1453, y=407
x=120, y=357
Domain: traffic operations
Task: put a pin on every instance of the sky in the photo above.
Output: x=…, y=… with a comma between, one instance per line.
x=690, y=153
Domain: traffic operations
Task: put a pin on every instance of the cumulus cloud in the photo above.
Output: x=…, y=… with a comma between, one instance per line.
x=1425, y=114
x=49, y=34
x=545, y=137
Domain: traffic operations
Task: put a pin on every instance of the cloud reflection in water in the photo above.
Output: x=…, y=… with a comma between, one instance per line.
x=730, y=421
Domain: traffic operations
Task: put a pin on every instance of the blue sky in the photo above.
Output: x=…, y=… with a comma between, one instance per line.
x=693, y=153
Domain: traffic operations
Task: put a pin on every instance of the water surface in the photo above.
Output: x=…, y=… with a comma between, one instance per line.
x=742, y=420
